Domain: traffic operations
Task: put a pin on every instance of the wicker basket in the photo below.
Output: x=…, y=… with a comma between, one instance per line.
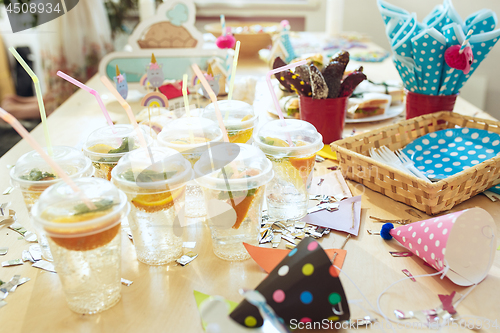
x=432, y=198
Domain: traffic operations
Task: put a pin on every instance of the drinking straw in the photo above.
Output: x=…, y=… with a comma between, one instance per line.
x=91, y=91
x=273, y=95
x=39, y=97
x=130, y=114
x=186, y=103
x=213, y=98
x=464, y=44
x=31, y=141
x=233, y=71
x=223, y=24
x=185, y=94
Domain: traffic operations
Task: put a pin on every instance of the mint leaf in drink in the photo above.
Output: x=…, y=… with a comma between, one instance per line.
x=101, y=205
x=125, y=147
x=37, y=175
x=266, y=141
x=146, y=176
x=225, y=195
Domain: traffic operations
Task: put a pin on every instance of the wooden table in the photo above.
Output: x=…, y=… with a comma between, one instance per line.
x=161, y=297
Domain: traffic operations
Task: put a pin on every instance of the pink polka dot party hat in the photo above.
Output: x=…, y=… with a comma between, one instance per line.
x=461, y=244
x=302, y=288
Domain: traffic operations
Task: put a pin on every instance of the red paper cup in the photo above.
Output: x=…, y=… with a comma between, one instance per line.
x=419, y=104
x=327, y=115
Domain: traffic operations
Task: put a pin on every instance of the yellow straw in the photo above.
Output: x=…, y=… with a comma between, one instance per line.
x=185, y=94
x=233, y=71
x=186, y=103
x=39, y=97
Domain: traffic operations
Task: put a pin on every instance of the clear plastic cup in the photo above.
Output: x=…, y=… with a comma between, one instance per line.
x=234, y=196
x=239, y=119
x=85, y=242
x=156, y=195
x=287, y=196
x=32, y=175
x=191, y=136
x=105, y=148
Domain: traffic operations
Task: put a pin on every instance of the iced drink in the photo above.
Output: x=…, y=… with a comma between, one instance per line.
x=191, y=136
x=156, y=195
x=234, y=195
x=83, y=229
x=287, y=196
x=33, y=175
x=239, y=119
x=105, y=148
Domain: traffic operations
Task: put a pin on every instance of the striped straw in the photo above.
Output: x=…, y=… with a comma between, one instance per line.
x=223, y=24
x=466, y=41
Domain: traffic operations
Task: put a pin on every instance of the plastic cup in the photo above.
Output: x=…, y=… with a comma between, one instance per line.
x=327, y=115
x=234, y=196
x=32, y=175
x=156, y=195
x=85, y=243
x=239, y=119
x=287, y=196
x=191, y=137
x=419, y=104
x=105, y=148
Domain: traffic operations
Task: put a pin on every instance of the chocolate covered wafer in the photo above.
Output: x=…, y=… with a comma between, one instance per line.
x=350, y=83
x=318, y=84
x=332, y=74
x=341, y=57
x=303, y=72
x=278, y=62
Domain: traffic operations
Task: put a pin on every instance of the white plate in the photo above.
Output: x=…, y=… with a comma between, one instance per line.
x=392, y=112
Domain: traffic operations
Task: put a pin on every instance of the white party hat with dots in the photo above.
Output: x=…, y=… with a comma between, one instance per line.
x=461, y=243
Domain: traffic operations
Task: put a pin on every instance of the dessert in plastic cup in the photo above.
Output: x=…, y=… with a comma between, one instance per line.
x=234, y=195
x=156, y=195
x=85, y=242
x=105, y=148
x=32, y=175
x=287, y=196
x=191, y=136
x=239, y=119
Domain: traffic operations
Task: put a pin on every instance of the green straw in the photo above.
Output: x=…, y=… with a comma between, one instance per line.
x=38, y=90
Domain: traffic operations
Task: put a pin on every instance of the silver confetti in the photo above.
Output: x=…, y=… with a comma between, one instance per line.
x=266, y=236
x=3, y=251
x=187, y=258
x=289, y=239
x=373, y=232
x=17, y=227
x=36, y=252
x=290, y=246
x=300, y=225
x=8, y=190
x=319, y=159
x=13, y=262
x=365, y=321
x=276, y=240
x=129, y=234
x=401, y=315
x=189, y=245
x=127, y=282
x=30, y=237
x=26, y=256
x=5, y=289
x=45, y=265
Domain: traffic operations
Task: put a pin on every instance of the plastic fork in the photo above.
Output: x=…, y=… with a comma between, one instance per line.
x=410, y=165
x=389, y=156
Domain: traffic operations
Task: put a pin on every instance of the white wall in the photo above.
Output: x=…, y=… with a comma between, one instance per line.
x=363, y=16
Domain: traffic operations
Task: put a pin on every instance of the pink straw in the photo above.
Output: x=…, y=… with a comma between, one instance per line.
x=129, y=112
x=57, y=169
x=211, y=93
x=93, y=92
x=273, y=95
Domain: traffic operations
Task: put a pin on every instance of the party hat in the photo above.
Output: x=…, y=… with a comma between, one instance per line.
x=302, y=288
x=462, y=244
x=153, y=59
